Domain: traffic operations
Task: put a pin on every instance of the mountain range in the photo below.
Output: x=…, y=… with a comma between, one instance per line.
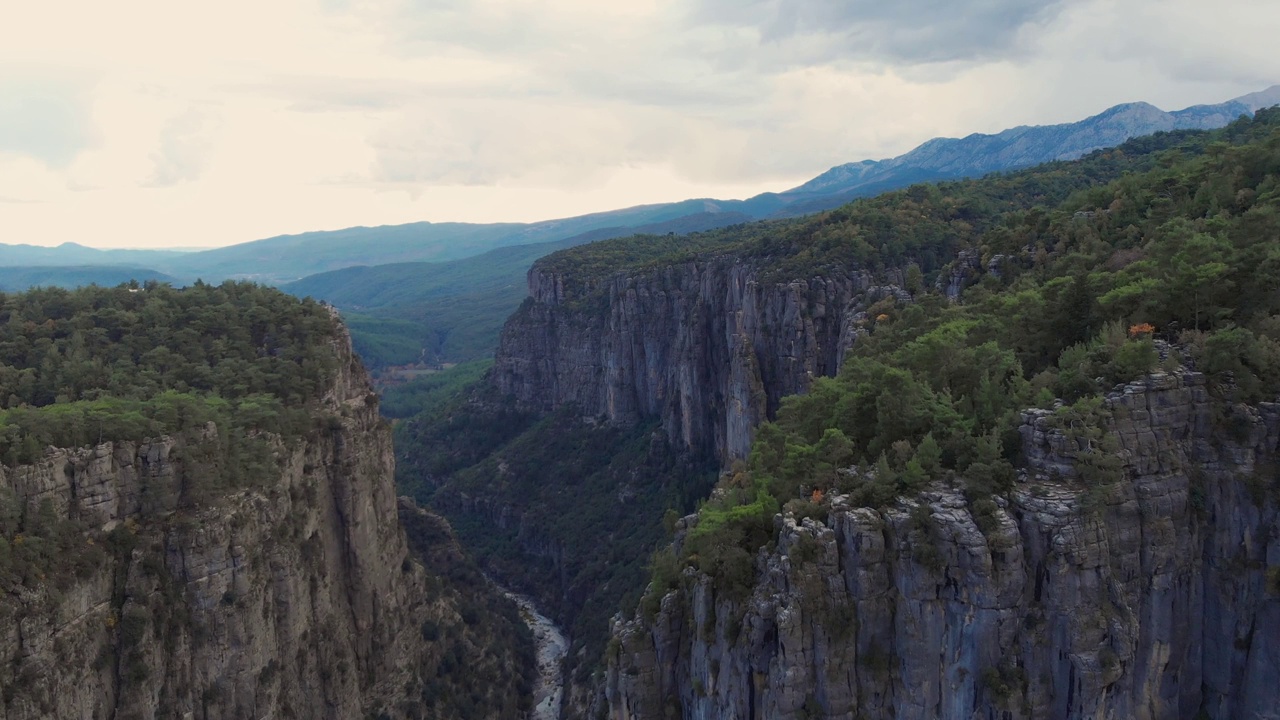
x=456, y=282
x=290, y=257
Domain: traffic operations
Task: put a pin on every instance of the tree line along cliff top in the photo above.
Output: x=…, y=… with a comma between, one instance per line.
x=925, y=224
x=1160, y=254
x=83, y=366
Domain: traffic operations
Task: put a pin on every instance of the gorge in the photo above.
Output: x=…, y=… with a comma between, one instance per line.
x=1000, y=448
x=910, y=537
x=144, y=577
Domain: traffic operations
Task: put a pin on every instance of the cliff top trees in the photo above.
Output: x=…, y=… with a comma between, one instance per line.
x=79, y=367
x=1172, y=236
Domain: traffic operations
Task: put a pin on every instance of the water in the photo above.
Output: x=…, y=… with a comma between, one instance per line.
x=548, y=694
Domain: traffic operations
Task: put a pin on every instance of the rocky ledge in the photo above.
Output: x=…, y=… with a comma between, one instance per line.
x=1155, y=597
x=707, y=346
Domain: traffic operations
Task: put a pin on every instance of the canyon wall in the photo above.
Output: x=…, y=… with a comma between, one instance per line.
x=1156, y=597
x=706, y=345
x=294, y=596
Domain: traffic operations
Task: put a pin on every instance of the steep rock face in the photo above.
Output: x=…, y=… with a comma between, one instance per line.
x=295, y=598
x=1154, y=598
x=706, y=346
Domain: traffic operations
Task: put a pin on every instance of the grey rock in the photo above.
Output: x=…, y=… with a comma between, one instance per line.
x=291, y=598
x=1145, y=600
x=706, y=346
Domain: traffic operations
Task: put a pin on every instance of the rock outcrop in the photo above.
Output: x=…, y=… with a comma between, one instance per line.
x=1153, y=598
x=707, y=346
x=295, y=597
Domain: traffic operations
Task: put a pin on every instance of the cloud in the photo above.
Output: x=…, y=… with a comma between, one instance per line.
x=496, y=141
x=46, y=113
x=730, y=91
x=185, y=144
x=905, y=31
x=322, y=113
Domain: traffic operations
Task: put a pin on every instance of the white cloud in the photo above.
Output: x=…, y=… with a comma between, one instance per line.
x=185, y=144
x=153, y=122
x=45, y=112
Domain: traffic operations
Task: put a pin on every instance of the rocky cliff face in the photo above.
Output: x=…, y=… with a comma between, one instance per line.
x=1154, y=598
x=295, y=598
x=707, y=346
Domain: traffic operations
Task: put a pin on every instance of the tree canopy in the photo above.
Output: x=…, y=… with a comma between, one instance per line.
x=135, y=361
x=1077, y=269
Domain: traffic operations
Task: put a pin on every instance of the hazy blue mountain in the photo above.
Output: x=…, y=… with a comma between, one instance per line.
x=291, y=257
x=19, y=278
x=1023, y=146
x=70, y=253
x=400, y=313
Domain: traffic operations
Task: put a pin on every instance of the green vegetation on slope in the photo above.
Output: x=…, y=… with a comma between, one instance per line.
x=427, y=311
x=435, y=312
x=571, y=482
x=924, y=225
x=129, y=363
x=17, y=279
x=487, y=663
x=433, y=390
x=1184, y=246
x=231, y=340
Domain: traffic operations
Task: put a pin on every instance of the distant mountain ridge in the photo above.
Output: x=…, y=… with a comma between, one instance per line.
x=70, y=253
x=1024, y=146
x=19, y=278
x=402, y=312
x=291, y=257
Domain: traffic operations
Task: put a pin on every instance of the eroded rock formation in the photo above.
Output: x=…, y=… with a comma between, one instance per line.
x=296, y=597
x=705, y=345
x=1154, y=598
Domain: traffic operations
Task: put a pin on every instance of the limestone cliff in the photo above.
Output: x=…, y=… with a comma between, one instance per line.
x=1154, y=598
x=708, y=346
x=296, y=597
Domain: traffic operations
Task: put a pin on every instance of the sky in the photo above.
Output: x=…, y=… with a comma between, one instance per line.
x=172, y=123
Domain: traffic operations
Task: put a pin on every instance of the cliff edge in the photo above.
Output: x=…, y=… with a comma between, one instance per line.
x=1150, y=598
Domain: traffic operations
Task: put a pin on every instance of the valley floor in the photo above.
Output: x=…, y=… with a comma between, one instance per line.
x=551, y=648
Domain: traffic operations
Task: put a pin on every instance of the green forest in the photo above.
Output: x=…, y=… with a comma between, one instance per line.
x=1165, y=242
x=567, y=477
x=1081, y=275
x=81, y=367
x=95, y=364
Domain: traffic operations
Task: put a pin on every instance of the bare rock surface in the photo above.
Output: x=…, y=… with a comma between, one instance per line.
x=295, y=598
x=1149, y=600
x=707, y=346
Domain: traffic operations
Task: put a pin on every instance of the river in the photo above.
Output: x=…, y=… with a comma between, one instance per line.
x=548, y=693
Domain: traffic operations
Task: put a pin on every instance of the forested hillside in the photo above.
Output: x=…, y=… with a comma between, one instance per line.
x=17, y=279
x=438, y=312
x=947, y=309
x=1142, y=315
x=128, y=362
x=198, y=519
x=1067, y=303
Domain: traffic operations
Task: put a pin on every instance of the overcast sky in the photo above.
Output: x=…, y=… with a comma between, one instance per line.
x=150, y=123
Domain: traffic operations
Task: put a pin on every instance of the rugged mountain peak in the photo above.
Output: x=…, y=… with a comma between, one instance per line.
x=1261, y=99
x=1023, y=146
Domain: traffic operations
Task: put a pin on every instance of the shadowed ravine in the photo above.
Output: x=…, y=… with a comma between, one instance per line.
x=551, y=648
